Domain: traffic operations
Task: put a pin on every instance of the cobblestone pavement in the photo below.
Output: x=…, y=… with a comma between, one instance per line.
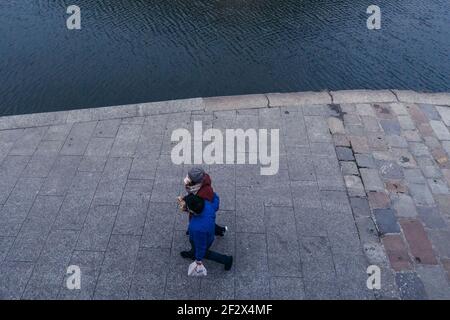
x=358, y=185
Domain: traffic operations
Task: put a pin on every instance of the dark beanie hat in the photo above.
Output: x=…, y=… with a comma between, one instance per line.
x=194, y=203
x=196, y=174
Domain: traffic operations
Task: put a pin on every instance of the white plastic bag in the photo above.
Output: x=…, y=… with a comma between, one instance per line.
x=197, y=270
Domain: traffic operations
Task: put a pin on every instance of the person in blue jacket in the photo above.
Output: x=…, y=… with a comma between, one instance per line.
x=202, y=230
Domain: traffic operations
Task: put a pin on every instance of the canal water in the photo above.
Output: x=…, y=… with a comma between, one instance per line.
x=151, y=50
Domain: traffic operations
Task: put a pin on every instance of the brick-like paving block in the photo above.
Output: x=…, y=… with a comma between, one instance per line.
x=404, y=206
x=371, y=180
x=444, y=112
x=360, y=207
x=431, y=217
x=390, y=127
x=344, y=154
x=440, y=130
x=349, y=168
x=386, y=221
x=418, y=241
x=378, y=200
x=354, y=186
x=397, y=252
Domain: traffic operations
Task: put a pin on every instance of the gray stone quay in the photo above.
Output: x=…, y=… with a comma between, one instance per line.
x=364, y=179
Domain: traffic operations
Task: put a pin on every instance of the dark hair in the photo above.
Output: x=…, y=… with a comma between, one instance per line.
x=194, y=203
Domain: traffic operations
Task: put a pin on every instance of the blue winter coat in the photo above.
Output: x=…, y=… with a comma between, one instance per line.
x=201, y=228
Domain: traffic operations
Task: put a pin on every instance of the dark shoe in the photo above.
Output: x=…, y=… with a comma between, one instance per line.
x=229, y=263
x=187, y=232
x=187, y=255
x=222, y=231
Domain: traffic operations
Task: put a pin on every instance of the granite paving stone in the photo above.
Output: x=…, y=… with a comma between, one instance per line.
x=440, y=130
x=360, y=207
x=107, y=128
x=112, y=183
x=420, y=245
x=150, y=274
x=440, y=240
x=97, y=228
x=431, y=218
x=15, y=210
x=404, y=206
x=344, y=154
x=421, y=194
x=10, y=170
x=410, y=286
x=117, y=269
x=78, y=138
x=36, y=227
x=287, y=288
x=282, y=247
x=365, y=161
x=435, y=282
x=371, y=179
x=386, y=221
x=77, y=201
x=133, y=208
x=5, y=245
x=58, y=132
x=318, y=268
x=357, y=184
x=397, y=252
x=445, y=114
x=159, y=224
x=28, y=141
x=349, y=168
x=50, y=269
x=391, y=127
x=14, y=277
x=126, y=140
x=60, y=177
x=430, y=111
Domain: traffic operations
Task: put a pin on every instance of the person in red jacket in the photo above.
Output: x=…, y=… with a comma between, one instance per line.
x=198, y=182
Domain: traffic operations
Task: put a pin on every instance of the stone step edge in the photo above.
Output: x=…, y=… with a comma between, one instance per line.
x=223, y=103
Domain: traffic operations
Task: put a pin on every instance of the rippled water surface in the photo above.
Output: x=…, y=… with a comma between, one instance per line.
x=132, y=51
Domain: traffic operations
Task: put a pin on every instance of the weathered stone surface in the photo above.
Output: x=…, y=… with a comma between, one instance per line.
x=425, y=98
x=404, y=206
x=418, y=241
x=362, y=96
x=410, y=286
x=378, y=200
x=435, y=282
x=386, y=221
x=297, y=234
x=440, y=130
x=444, y=112
x=371, y=179
x=236, y=102
x=397, y=252
x=344, y=154
x=298, y=99
x=336, y=125
x=354, y=186
x=349, y=168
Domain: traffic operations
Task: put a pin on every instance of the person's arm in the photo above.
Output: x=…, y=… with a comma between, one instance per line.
x=201, y=245
x=215, y=202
